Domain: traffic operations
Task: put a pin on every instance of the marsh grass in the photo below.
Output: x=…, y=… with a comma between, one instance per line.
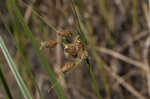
x=26, y=68
x=84, y=38
x=87, y=36
x=28, y=33
x=15, y=71
x=39, y=53
x=21, y=33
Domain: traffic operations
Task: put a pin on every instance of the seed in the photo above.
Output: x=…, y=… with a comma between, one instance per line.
x=67, y=66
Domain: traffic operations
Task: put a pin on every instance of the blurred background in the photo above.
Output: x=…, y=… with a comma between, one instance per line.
x=117, y=41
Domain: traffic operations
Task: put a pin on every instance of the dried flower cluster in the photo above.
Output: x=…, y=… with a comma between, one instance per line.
x=72, y=48
x=48, y=44
x=67, y=66
x=65, y=33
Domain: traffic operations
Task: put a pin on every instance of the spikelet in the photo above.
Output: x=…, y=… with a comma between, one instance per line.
x=65, y=33
x=48, y=44
x=78, y=45
x=82, y=54
x=71, y=50
x=67, y=66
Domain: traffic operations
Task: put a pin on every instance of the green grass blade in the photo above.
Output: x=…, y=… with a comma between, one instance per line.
x=5, y=84
x=134, y=16
x=14, y=70
x=28, y=69
x=45, y=64
x=104, y=12
x=94, y=53
x=149, y=4
x=35, y=13
x=83, y=40
x=91, y=43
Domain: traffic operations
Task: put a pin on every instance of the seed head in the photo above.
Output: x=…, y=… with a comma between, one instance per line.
x=82, y=54
x=52, y=43
x=78, y=45
x=67, y=66
x=65, y=33
x=48, y=44
x=71, y=49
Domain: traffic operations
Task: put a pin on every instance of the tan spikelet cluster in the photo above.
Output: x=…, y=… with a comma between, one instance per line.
x=73, y=50
x=65, y=33
x=48, y=44
x=76, y=49
x=67, y=66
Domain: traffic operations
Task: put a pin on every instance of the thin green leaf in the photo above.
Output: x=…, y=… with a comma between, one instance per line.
x=83, y=40
x=90, y=40
x=28, y=69
x=149, y=4
x=14, y=70
x=45, y=64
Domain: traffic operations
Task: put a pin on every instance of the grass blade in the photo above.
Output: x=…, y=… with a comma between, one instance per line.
x=45, y=64
x=24, y=58
x=83, y=40
x=14, y=70
x=149, y=4
x=87, y=35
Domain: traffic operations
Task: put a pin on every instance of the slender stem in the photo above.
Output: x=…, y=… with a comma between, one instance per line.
x=83, y=41
x=149, y=4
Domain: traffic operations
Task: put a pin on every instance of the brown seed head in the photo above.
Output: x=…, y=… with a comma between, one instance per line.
x=48, y=44
x=82, y=54
x=78, y=45
x=51, y=43
x=67, y=66
x=65, y=33
x=71, y=50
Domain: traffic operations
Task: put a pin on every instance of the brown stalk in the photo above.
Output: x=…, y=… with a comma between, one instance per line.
x=147, y=44
x=117, y=55
x=121, y=81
